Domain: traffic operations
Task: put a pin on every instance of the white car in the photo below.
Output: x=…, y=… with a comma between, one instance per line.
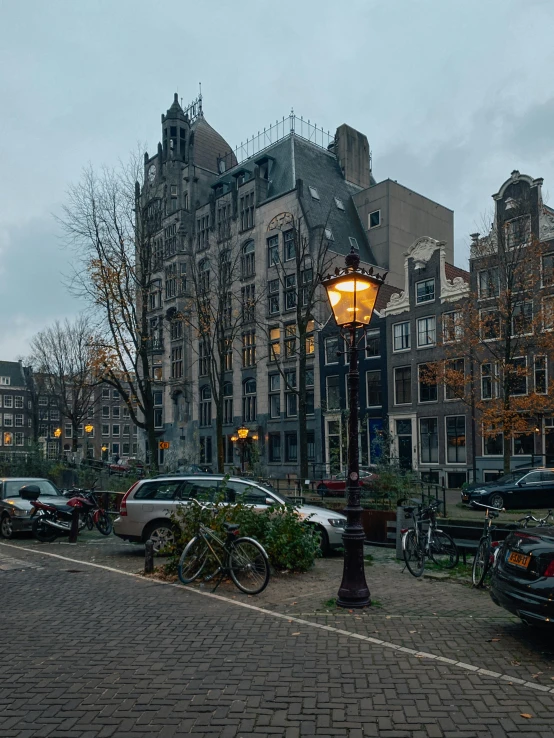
x=146, y=508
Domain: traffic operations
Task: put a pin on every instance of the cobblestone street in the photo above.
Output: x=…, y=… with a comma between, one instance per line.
x=95, y=651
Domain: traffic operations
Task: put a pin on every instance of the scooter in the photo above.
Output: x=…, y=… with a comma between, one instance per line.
x=50, y=521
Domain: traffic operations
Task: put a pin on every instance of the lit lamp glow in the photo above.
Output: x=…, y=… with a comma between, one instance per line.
x=242, y=433
x=352, y=293
x=58, y=432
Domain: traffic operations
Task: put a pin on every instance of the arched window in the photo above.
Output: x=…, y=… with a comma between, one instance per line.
x=227, y=403
x=248, y=260
x=249, y=401
x=205, y=405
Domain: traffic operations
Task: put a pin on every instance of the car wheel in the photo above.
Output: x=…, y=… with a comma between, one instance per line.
x=6, y=527
x=324, y=544
x=496, y=500
x=161, y=535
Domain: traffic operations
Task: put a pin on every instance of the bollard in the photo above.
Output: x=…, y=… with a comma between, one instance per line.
x=148, y=557
x=74, y=532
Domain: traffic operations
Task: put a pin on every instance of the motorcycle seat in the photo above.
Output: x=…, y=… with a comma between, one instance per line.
x=64, y=508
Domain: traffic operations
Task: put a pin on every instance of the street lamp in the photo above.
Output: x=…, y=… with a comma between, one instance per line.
x=57, y=434
x=352, y=292
x=88, y=430
x=241, y=437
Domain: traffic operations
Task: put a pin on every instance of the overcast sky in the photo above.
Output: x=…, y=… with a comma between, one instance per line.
x=452, y=95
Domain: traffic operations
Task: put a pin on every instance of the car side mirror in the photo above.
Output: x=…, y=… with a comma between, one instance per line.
x=521, y=484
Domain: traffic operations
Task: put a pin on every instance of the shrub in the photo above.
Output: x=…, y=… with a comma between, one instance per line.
x=290, y=542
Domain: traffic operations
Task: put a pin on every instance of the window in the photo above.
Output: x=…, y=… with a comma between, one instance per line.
x=541, y=376
x=548, y=314
x=205, y=406
x=68, y=430
x=548, y=270
x=313, y=192
x=176, y=362
x=339, y=203
x=204, y=276
x=247, y=211
x=452, y=326
x=248, y=260
x=273, y=296
x=19, y=420
x=272, y=250
x=176, y=330
x=426, y=331
x=489, y=284
x=331, y=350
x=517, y=376
x=205, y=449
x=306, y=289
x=19, y=439
x=18, y=401
x=227, y=309
x=105, y=429
x=105, y=394
x=454, y=379
x=158, y=398
x=158, y=417
x=248, y=303
x=249, y=348
x=488, y=381
x=517, y=231
x=290, y=245
x=203, y=358
x=524, y=444
x=490, y=324
x=116, y=411
x=291, y=397
x=456, y=439
x=115, y=430
x=425, y=291
x=353, y=243
x=183, y=277
x=429, y=440
x=170, y=281
x=274, y=344
x=5, y=381
x=8, y=402
x=290, y=340
x=329, y=234
x=374, y=394
x=126, y=429
x=8, y=438
x=310, y=341
x=373, y=344
x=375, y=219
x=228, y=414
x=333, y=393
x=402, y=385
x=274, y=443
x=522, y=319
x=291, y=447
x=401, y=336
x=275, y=395
x=493, y=443
x=249, y=401
x=224, y=221
x=427, y=383
x=202, y=226
x=290, y=291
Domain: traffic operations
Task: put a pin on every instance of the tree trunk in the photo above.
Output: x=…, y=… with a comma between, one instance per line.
x=219, y=436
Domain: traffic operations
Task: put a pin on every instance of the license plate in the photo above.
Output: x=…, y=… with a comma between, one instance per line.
x=518, y=559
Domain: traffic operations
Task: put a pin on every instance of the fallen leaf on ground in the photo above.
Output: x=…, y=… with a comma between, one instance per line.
x=526, y=715
x=493, y=640
x=413, y=631
x=296, y=634
x=515, y=663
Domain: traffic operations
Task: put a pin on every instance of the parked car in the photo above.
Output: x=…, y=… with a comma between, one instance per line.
x=499, y=479
x=15, y=512
x=335, y=486
x=523, y=577
x=127, y=466
x=526, y=488
x=146, y=507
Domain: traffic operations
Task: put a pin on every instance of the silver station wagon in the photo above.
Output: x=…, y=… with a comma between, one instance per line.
x=146, y=507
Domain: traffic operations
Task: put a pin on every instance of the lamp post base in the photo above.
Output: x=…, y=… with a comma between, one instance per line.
x=353, y=592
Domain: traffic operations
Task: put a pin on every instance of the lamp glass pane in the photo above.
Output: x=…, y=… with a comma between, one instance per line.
x=353, y=300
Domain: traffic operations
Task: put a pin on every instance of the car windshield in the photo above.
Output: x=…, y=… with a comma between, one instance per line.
x=12, y=488
x=511, y=478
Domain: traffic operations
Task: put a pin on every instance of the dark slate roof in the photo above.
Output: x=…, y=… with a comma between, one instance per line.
x=209, y=145
x=317, y=168
x=452, y=272
x=14, y=371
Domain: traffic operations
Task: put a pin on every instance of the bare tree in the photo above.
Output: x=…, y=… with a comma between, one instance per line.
x=63, y=358
x=112, y=236
x=305, y=257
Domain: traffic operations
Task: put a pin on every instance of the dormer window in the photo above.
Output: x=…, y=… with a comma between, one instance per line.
x=314, y=193
x=510, y=203
x=339, y=203
x=353, y=243
x=329, y=234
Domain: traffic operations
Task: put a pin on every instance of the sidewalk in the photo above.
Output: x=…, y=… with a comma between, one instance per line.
x=153, y=659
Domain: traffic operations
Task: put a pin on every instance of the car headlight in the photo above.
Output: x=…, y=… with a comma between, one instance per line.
x=17, y=513
x=337, y=522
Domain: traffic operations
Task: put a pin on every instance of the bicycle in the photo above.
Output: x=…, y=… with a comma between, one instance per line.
x=418, y=545
x=541, y=522
x=484, y=559
x=243, y=559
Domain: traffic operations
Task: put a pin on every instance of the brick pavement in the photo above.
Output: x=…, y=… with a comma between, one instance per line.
x=152, y=660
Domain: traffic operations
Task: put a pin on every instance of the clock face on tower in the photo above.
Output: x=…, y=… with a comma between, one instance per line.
x=152, y=173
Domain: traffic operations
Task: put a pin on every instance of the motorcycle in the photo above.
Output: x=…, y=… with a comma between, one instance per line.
x=92, y=512
x=50, y=521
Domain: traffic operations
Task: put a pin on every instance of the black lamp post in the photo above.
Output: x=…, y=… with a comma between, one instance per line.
x=352, y=292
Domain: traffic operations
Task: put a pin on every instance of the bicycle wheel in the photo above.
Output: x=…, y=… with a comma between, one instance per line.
x=481, y=562
x=249, y=566
x=104, y=523
x=193, y=560
x=413, y=555
x=89, y=521
x=444, y=551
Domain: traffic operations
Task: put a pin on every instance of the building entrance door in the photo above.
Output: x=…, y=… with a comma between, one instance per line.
x=404, y=435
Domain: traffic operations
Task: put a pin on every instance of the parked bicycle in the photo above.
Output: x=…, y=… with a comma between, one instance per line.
x=419, y=544
x=548, y=519
x=487, y=548
x=208, y=556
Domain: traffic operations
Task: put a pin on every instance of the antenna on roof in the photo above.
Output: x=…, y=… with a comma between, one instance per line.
x=200, y=113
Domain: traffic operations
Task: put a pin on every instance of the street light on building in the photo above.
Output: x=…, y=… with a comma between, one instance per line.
x=88, y=430
x=57, y=436
x=242, y=437
x=352, y=293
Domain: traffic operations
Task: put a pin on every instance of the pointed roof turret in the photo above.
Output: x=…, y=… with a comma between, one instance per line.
x=175, y=111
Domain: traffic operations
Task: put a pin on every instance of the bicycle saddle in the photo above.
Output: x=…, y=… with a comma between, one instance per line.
x=409, y=509
x=230, y=527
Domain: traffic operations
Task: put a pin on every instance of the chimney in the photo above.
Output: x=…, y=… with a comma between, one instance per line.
x=352, y=150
